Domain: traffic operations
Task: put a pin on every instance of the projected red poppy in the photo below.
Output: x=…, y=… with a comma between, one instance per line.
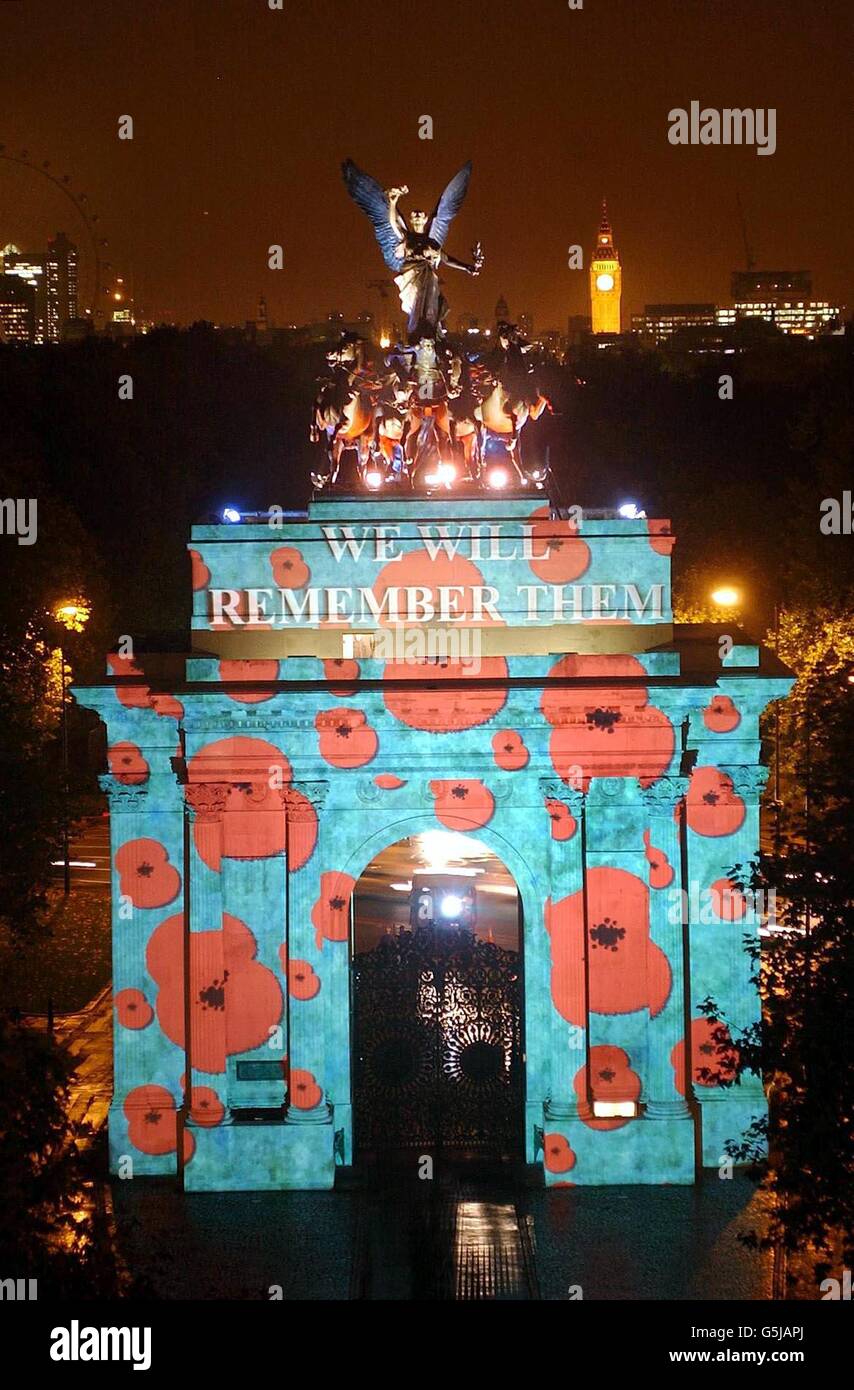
x=344, y=673
x=607, y=729
x=145, y=874
x=346, y=737
x=558, y=555
x=445, y=710
x=224, y=974
x=563, y=822
x=509, y=751
x=127, y=764
x=446, y=588
x=721, y=715
x=152, y=1118
x=290, y=570
x=462, y=803
x=132, y=1008
x=712, y=805
x=331, y=912
x=200, y=573
x=558, y=1157
x=626, y=969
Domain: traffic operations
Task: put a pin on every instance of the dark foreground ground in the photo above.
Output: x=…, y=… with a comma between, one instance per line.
x=481, y=1236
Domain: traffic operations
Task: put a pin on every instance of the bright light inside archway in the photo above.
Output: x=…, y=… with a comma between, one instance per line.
x=451, y=906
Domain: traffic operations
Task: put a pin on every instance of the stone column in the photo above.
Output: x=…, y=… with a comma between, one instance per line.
x=665, y=812
x=568, y=1042
x=743, y=1005
x=130, y=929
x=205, y=1029
x=307, y=1027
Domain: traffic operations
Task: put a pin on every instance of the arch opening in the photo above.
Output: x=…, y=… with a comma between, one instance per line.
x=437, y=1003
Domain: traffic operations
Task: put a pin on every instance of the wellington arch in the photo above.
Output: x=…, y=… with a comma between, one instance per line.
x=608, y=757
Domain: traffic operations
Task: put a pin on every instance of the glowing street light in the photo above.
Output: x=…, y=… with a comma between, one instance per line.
x=73, y=614
x=726, y=596
x=451, y=906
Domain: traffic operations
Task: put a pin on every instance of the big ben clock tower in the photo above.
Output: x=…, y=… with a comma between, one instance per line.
x=605, y=278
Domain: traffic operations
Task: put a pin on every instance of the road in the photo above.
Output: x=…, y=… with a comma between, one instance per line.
x=89, y=855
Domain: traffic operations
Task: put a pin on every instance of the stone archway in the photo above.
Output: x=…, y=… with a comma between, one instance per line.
x=437, y=999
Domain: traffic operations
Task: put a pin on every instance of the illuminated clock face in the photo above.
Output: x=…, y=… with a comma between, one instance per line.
x=604, y=281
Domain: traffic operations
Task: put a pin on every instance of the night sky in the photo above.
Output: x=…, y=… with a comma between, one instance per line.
x=243, y=115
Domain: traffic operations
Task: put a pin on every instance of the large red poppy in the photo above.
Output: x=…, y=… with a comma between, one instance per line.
x=346, y=738
x=558, y=554
x=558, y=1157
x=290, y=570
x=721, y=715
x=605, y=730
x=626, y=969
x=254, y=818
x=445, y=710
x=462, y=803
x=145, y=874
x=132, y=1008
x=464, y=597
x=331, y=913
x=152, y=1117
x=127, y=764
x=224, y=976
x=712, y=805
x=509, y=751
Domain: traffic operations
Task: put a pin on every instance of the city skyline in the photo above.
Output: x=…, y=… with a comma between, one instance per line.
x=224, y=163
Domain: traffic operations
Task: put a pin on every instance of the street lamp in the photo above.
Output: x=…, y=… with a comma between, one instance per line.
x=726, y=596
x=73, y=615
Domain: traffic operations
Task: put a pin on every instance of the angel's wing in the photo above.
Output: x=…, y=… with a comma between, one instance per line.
x=369, y=196
x=449, y=205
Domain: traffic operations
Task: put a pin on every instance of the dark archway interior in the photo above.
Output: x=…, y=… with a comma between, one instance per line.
x=437, y=1002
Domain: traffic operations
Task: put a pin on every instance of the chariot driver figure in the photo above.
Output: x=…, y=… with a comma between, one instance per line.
x=414, y=252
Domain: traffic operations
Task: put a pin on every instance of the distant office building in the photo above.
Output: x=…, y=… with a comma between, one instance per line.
x=61, y=282
x=53, y=276
x=659, y=322
x=526, y=325
x=502, y=311
x=781, y=297
x=30, y=268
x=605, y=279
x=468, y=323
x=17, y=310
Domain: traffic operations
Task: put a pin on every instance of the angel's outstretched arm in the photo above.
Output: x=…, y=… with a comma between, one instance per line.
x=395, y=219
x=473, y=268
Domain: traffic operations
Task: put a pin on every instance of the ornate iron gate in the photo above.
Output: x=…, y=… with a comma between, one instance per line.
x=437, y=1044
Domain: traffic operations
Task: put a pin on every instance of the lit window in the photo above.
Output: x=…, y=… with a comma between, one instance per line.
x=615, y=1109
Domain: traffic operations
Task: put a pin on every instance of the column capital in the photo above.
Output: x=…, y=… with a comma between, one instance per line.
x=663, y=794
x=205, y=800
x=748, y=782
x=555, y=789
x=295, y=797
x=123, y=796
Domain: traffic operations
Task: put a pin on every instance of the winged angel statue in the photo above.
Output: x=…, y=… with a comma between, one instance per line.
x=414, y=252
